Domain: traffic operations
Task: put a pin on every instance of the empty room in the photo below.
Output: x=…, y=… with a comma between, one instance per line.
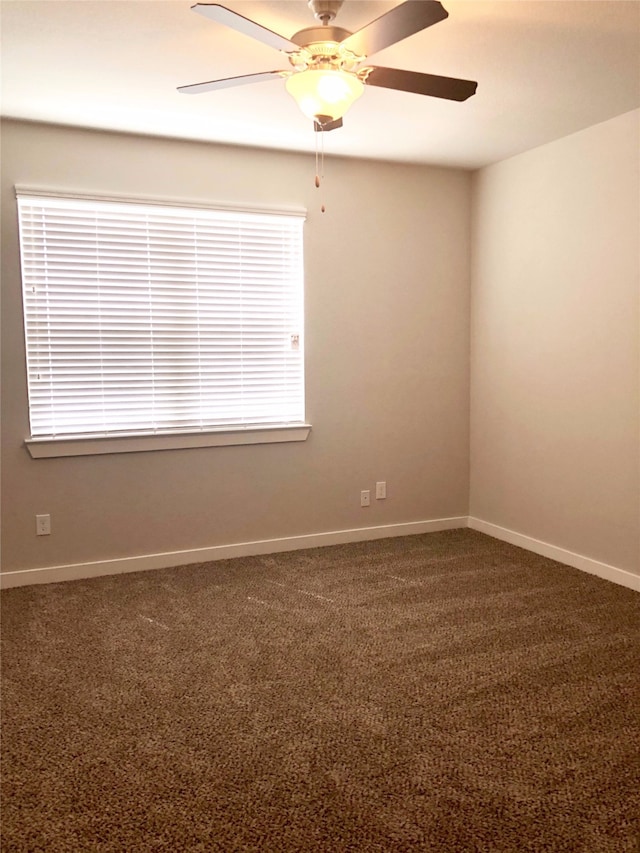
x=320, y=397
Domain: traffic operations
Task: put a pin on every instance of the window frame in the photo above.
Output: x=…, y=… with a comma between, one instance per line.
x=123, y=441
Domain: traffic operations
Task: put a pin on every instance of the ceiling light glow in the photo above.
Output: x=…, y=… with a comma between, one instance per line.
x=326, y=93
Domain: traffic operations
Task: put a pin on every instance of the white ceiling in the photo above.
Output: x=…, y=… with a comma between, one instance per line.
x=545, y=68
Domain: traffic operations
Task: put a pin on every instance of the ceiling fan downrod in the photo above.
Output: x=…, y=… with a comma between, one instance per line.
x=325, y=10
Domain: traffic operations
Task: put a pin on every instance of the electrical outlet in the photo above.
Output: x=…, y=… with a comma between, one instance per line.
x=365, y=497
x=43, y=525
x=381, y=490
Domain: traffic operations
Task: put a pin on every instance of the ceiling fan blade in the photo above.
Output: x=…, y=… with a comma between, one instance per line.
x=329, y=125
x=396, y=24
x=451, y=88
x=228, y=82
x=222, y=15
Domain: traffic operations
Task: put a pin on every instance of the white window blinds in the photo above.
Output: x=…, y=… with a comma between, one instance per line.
x=144, y=318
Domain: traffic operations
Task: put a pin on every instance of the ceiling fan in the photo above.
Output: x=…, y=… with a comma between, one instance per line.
x=326, y=72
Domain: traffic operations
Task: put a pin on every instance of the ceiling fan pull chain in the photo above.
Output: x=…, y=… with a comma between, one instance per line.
x=320, y=171
x=322, y=207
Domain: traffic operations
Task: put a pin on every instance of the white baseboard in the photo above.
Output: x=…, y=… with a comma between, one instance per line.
x=76, y=571
x=145, y=562
x=569, y=558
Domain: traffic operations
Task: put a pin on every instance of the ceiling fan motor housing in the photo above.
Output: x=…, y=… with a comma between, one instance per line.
x=319, y=36
x=325, y=10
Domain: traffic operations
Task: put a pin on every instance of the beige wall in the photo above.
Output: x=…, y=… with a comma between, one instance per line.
x=555, y=432
x=387, y=304
x=554, y=401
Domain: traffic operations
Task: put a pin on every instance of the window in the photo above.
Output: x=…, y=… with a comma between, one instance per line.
x=148, y=319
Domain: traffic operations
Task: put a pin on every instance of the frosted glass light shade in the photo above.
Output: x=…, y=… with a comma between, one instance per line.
x=324, y=92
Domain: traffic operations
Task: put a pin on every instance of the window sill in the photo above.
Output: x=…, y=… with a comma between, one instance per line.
x=41, y=448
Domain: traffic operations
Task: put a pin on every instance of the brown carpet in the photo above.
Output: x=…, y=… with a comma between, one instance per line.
x=445, y=693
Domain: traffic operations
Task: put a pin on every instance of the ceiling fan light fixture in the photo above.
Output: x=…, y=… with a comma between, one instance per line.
x=325, y=93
